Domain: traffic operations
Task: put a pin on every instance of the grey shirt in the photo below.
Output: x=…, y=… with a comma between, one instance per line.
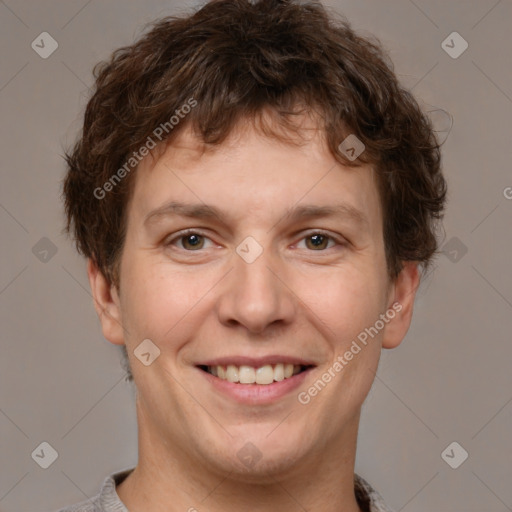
x=107, y=499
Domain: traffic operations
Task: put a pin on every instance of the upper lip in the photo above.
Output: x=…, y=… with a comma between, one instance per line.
x=256, y=362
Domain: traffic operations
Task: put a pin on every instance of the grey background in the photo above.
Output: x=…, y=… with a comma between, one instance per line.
x=450, y=380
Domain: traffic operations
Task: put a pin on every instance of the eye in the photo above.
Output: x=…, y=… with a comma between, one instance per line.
x=190, y=240
x=193, y=241
x=318, y=241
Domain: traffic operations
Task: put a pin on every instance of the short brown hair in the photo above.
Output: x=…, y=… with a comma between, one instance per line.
x=236, y=58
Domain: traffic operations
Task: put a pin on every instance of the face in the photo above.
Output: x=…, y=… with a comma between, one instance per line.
x=254, y=260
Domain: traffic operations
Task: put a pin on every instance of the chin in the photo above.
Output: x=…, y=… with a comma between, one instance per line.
x=267, y=470
x=259, y=458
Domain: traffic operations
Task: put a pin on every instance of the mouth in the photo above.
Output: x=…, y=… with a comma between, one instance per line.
x=264, y=375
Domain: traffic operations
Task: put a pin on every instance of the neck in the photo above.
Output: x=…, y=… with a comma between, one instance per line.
x=168, y=479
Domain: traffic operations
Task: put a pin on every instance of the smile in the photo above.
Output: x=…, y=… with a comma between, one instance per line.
x=256, y=381
x=264, y=375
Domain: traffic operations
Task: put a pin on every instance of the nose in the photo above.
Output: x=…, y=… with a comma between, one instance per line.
x=256, y=295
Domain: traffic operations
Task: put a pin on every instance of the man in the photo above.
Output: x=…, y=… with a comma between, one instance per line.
x=257, y=197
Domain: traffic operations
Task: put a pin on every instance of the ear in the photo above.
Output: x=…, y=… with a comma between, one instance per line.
x=401, y=300
x=107, y=304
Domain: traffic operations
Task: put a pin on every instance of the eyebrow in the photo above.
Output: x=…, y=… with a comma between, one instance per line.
x=204, y=211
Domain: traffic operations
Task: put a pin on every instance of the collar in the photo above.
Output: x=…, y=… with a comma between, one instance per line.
x=108, y=500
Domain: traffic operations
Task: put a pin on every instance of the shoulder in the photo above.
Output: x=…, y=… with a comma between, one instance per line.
x=91, y=505
x=368, y=497
x=106, y=500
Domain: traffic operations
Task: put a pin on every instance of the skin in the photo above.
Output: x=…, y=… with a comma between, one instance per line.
x=295, y=299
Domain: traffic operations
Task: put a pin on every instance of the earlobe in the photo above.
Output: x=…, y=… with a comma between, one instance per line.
x=106, y=303
x=401, y=301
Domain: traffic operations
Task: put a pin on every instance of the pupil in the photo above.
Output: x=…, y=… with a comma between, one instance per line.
x=317, y=240
x=193, y=240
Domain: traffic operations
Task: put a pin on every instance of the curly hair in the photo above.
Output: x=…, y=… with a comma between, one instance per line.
x=235, y=59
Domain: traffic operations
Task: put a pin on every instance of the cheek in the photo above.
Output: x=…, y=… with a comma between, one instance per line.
x=160, y=302
x=346, y=301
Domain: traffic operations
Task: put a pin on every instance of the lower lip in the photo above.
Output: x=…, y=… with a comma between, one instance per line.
x=256, y=393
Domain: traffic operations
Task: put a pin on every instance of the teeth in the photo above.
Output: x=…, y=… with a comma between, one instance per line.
x=231, y=373
x=248, y=375
x=264, y=375
x=278, y=372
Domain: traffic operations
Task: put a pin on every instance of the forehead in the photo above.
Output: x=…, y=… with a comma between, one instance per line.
x=253, y=176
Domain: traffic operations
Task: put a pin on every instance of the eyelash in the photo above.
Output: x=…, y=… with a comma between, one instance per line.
x=185, y=233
